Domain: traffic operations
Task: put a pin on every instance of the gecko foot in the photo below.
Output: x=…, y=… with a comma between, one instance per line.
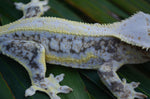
x=35, y=8
x=50, y=86
x=129, y=92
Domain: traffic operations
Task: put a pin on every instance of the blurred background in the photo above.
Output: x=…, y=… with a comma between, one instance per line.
x=14, y=79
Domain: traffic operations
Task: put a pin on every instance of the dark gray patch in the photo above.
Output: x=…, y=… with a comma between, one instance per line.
x=27, y=38
x=33, y=64
x=112, y=45
x=106, y=43
x=33, y=9
x=19, y=53
x=111, y=50
x=83, y=49
x=116, y=57
x=16, y=35
x=97, y=45
x=23, y=35
x=52, y=49
x=38, y=77
x=59, y=44
x=5, y=35
x=125, y=95
x=108, y=74
x=26, y=57
x=70, y=40
x=75, y=37
x=89, y=42
x=72, y=51
x=95, y=62
x=35, y=53
x=124, y=49
x=39, y=37
x=7, y=47
x=117, y=87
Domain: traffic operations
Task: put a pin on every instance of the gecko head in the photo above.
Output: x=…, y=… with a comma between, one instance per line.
x=33, y=8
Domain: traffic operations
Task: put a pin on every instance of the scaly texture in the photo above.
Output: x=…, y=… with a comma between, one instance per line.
x=34, y=41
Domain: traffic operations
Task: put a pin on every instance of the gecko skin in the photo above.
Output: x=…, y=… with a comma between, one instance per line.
x=33, y=40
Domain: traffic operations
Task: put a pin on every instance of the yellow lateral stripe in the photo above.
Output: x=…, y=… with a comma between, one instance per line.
x=41, y=30
x=69, y=59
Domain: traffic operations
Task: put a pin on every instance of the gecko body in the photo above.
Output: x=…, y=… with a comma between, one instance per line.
x=87, y=51
x=105, y=48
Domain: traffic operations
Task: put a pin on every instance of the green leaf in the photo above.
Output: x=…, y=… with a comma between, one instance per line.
x=5, y=89
x=89, y=6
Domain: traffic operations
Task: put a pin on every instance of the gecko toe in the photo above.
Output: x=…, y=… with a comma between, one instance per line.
x=60, y=77
x=30, y=91
x=140, y=95
x=65, y=89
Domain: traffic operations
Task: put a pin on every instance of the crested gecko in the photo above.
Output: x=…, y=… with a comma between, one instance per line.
x=34, y=41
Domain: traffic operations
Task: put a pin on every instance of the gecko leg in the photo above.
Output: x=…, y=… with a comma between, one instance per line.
x=32, y=56
x=35, y=8
x=120, y=88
